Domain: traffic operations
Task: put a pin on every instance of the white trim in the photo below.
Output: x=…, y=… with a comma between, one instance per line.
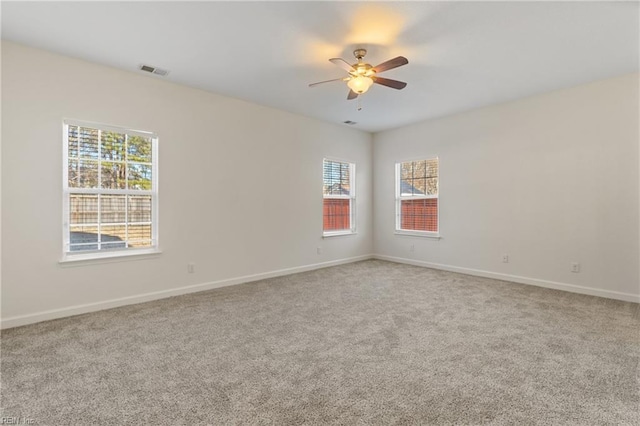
x=67, y=255
x=337, y=159
x=418, y=158
x=411, y=233
x=96, y=191
x=572, y=288
x=66, y=240
x=329, y=234
x=351, y=197
x=147, y=297
x=109, y=128
x=400, y=198
x=155, y=203
x=418, y=197
x=96, y=257
x=336, y=197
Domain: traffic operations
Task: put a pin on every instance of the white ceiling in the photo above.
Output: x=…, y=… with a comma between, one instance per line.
x=462, y=55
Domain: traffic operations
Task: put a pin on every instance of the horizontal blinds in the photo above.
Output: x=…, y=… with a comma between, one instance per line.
x=106, y=127
x=419, y=215
x=338, y=192
x=418, y=191
x=336, y=214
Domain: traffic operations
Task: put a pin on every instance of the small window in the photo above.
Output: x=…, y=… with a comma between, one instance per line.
x=417, y=197
x=339, y=198
x=110, y=194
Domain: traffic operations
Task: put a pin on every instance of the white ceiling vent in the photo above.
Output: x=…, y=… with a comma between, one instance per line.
x=154, y=70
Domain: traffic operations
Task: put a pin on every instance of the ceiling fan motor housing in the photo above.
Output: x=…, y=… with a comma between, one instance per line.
x=360, y=68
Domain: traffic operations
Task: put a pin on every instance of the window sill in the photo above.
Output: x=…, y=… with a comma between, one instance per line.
x=109, y=257
x=337, y=234
x=423, y=234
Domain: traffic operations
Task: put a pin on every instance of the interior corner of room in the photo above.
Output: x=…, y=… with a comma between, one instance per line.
x=538, y=177
x=549, y=180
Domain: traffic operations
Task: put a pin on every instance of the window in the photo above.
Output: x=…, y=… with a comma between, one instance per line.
x=110, y=194
x=339, y=198
x=417, y=197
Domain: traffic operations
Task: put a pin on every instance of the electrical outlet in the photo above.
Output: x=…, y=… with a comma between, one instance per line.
x=505, y=258
x=319, y=250
x=191, y=267
x=575, y=267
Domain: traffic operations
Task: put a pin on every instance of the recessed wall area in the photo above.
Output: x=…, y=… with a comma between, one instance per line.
x=550, y=181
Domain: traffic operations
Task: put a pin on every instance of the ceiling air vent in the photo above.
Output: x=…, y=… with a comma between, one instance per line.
x=154, y=70
x=349, y=122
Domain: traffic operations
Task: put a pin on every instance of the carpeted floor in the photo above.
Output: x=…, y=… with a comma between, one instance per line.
x=366, y=343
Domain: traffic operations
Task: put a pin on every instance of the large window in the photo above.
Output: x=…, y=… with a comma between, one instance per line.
x=339, y=198
x=110, y=191
x=417, y=197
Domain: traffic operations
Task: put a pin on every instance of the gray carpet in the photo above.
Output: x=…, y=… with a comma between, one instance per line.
x=366, y=343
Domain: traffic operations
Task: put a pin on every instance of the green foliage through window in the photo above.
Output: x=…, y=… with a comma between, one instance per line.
x=108, y=160
x=109, y=193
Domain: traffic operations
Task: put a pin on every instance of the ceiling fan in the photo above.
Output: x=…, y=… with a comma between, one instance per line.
x=363, y=75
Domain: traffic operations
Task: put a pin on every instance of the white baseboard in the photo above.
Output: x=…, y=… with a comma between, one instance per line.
x=627, y=297
x=17, y=321
x=20, y=320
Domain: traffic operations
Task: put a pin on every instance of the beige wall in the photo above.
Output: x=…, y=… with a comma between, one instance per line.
x=232, y=221
x=549, y=180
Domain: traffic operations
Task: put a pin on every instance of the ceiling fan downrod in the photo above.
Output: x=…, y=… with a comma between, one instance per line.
x=359, y=54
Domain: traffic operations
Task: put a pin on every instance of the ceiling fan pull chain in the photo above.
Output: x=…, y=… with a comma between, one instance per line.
x=359, y=104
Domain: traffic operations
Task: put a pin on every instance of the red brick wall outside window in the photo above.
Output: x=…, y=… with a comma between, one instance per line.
x=336, y=214
x=417, y=195
x=338, y=196
x=420, y=215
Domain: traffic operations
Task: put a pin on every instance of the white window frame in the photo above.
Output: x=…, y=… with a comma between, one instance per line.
x=69, y=256
x=400, y=198
x=351, y=197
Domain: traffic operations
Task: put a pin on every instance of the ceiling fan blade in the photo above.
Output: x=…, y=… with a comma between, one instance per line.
x=352, y=95
x=326, y=81
x=391, y=63
x=342, y=64
x=394, y=84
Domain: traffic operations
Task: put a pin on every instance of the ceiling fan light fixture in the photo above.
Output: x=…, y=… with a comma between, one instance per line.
x=362, y=75
x=360, y=84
